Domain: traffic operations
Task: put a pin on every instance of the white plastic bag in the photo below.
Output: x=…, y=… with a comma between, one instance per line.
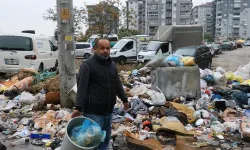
x=220, y=70
x=205, y=72
x=157, y=98
x=138, y=90
x=216, y=126
x=220, y=79
x=203, y=83
x=25, y=98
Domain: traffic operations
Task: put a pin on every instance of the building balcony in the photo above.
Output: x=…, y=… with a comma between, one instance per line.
x=236, y=25
x=185, y=17
x=236, y=11
x=218, y=26
x=236, y=16
x=168, y=8
x=219, y=17
x=185, y=9
x=186, y=2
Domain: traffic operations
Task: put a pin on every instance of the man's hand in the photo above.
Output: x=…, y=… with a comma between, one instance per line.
x=76, y=113
x=126, y=106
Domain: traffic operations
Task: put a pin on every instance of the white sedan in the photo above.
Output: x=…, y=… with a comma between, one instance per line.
x=83, y=50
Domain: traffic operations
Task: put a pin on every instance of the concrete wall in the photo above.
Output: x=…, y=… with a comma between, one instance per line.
x=177, y=81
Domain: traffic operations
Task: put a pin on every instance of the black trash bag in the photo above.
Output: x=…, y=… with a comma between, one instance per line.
x=226, y=94
x=240, y=98
x=175, y=113
x=11, y=94
x=2, y=147
x=243, y=88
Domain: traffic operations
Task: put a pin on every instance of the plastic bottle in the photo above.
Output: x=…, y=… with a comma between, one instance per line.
x=20, y=141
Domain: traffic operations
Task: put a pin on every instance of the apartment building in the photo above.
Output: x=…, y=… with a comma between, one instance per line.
x=160, y=12
x=204, y=15
x=233, y=19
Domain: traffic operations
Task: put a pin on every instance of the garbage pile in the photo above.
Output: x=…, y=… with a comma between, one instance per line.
x=219, y=119
x=30, y=111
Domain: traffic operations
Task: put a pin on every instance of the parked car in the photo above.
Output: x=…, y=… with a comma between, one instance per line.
x=201, y=54
x=227, y=46
x=239, y=45
x=26, y=50
x=217, y=48
x=218, y=43
x=211, y=50
x=234, y=45
x=83, y=50
x=247, y=43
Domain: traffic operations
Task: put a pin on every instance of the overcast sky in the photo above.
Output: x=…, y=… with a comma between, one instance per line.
x=18, y=15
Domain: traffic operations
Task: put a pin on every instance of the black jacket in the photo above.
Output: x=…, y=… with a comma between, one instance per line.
x=98, y=85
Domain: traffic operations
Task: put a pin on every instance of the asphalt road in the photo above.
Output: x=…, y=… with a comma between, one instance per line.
x=231, y=60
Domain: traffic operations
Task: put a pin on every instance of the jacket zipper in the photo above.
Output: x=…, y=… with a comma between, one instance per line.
x=108, y=83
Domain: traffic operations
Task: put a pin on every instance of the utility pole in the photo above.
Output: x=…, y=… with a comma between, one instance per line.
x=127, y=14
x=66, y=46
x=146, y=17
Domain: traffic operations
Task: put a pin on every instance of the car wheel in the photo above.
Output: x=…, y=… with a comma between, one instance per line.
x=56, y=67
x=86, y=56
x=209, y=65
x=40, y=69
x=122, y=60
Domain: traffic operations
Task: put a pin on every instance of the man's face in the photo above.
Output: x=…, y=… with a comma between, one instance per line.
x=103, y=48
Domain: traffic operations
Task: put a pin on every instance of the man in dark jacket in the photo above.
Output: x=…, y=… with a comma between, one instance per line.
x=97, y=87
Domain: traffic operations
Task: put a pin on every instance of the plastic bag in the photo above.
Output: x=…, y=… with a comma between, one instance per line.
x=220, y=79
x=157, y=61
x=232, y=125
x=88, y=135
x=3, y=88
x=247, y=82
x=26, y=98
x=216, y=126
x=238, y=78
x=210, y=79
x=230, y=76
x=188, y=61
x=203, y=83
x=173, y=60
x=244, y=72
x=157, y=98
x=43, y=76
x=220, y=70
x=204, y=73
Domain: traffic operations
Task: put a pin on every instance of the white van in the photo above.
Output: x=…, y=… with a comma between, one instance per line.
x=152, y=49
x=26, y=50
x=127, y=48
x=113, y=38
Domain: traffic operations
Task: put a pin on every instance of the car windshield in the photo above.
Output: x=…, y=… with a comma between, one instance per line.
x=153, y=46
x=215, y=45
x=17, y=43
x=226, y=43
x=82, y=46
x=91, y=40
x=120, y=44
x=186, y=51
